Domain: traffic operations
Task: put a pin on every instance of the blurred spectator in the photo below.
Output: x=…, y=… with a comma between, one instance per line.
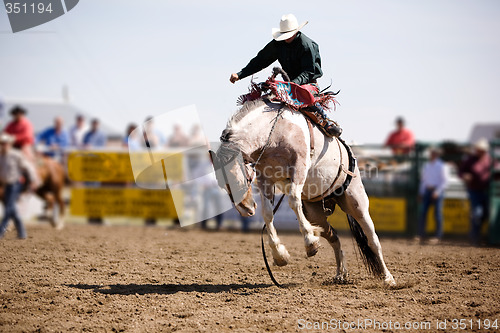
x=153, y=139
x=475, y=172
x=402, y=140
x=22, y=130
x=131, y=140
x=55, y=139
x=245, y=223
x=94, y=137
x=178, y=138
x=77, y=132
x=197, y=138
x=207, y=190
x=152, y=136
x=431, y=192
x=12, y=166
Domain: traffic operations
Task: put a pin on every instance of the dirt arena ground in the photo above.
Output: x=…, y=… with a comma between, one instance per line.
x=135, y=279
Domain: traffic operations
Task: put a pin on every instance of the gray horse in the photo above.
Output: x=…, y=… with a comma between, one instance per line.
x=272, y=143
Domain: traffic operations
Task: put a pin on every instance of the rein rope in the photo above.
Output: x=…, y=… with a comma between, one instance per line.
x=264, y=248
x=268, y=142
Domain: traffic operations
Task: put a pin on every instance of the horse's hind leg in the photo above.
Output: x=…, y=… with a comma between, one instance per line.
x=355, y=203
x=366, y=223
x=315, y=214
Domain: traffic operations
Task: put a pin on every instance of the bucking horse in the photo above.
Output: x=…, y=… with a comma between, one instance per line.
x=277, y=146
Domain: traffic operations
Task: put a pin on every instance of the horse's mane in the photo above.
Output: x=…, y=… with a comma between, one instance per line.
x=229, y=148
x=242, y=112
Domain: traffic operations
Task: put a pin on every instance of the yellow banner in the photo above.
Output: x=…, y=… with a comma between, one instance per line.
x=455, y=217
x=388, y=214
x=133, y=202
x=143, y=167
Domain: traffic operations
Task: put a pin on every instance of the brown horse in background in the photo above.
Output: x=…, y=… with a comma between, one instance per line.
x=52, y=176
x=52, y=179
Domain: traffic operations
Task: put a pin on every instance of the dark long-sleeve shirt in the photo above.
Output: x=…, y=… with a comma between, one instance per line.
x=299, y=59
x=479, y=169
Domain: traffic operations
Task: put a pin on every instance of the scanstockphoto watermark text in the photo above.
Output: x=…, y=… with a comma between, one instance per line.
x=382, y=325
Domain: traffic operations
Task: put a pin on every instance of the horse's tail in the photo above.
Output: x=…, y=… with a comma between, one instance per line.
x=369, y=257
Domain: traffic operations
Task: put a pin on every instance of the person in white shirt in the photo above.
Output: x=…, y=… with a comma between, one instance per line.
x=431, y=192
x=207, y=191
x=77, y=131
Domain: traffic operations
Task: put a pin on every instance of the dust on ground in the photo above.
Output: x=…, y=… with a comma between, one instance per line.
x=135, y=279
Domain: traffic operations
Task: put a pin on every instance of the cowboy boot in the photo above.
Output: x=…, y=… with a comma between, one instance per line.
x=327, y=126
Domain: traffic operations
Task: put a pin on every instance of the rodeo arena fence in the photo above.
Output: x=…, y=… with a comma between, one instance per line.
x=104, y=184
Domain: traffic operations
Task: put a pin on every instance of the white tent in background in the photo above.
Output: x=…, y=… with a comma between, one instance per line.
x=490, y=131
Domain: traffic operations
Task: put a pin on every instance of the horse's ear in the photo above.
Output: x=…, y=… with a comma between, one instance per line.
x=226, y=135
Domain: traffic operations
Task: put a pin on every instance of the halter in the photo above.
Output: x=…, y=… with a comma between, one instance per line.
x=217, y=165
x=249, y=177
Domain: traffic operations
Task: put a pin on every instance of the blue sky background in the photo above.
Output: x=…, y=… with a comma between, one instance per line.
x=435, y=62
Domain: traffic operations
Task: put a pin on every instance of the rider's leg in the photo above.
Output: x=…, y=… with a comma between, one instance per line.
x=330, y=127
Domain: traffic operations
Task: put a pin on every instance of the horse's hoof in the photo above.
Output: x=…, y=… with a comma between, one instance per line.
x=341, y=277
x=312, y=249
x=53, y=223
x=281, y=256
x=280, y=262
x=389, y=281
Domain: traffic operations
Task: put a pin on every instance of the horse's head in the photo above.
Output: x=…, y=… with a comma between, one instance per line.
x=233, y=175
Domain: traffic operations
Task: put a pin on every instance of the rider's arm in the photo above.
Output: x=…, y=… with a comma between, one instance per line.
x=264, y=58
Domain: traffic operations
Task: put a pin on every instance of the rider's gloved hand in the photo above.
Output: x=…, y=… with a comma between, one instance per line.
x=234, y=77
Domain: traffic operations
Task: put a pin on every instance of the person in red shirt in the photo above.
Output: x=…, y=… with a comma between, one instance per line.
x=402, y=139
x=22, y=130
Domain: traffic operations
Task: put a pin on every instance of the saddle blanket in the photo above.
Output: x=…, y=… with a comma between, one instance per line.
x=293, y=95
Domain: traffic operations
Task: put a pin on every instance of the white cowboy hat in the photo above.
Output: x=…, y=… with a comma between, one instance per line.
x=288, y=27
x=4, y=137
x=482, y=144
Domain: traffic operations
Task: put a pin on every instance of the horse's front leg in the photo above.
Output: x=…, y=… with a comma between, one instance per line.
x=61, y=210
x=278, y=250
x=311, y=233
x=50, y=210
